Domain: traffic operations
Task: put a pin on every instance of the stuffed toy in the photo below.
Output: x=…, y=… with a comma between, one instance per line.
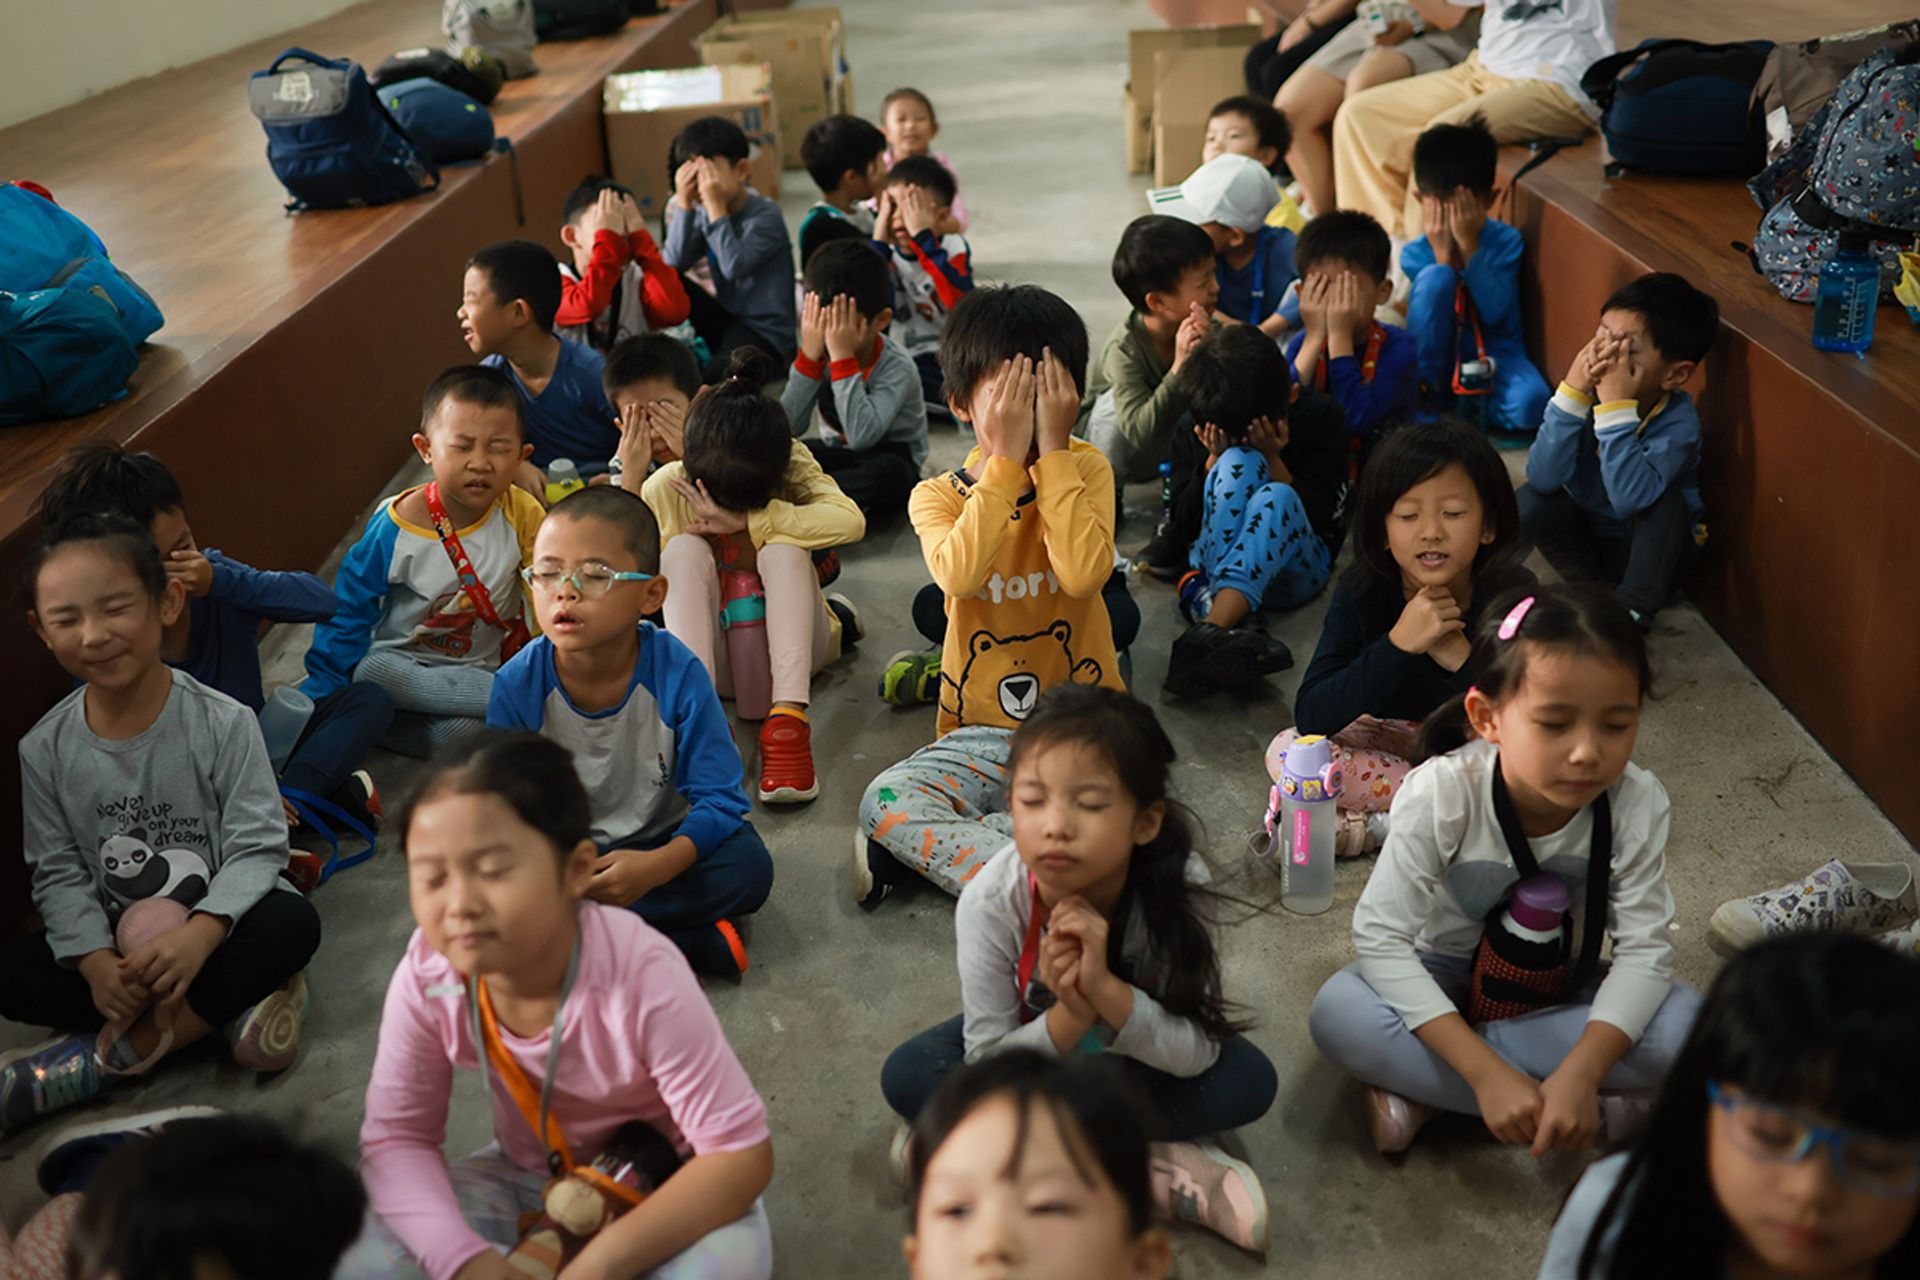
x=578, y=1203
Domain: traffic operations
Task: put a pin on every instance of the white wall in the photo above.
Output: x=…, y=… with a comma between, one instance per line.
x=53, y=52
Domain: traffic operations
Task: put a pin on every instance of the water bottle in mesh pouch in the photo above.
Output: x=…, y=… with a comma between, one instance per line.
x=1521, y=963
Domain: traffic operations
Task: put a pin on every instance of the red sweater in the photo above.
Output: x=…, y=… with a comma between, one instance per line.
x=662, y=297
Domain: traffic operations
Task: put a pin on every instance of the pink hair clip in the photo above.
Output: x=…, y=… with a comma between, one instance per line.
x=1510, y=625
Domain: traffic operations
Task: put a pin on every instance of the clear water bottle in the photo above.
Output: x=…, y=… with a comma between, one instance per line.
x=743, y=615
x=1846, y=296
x=282, y=720
x=1303, y=837
x=563, y=477
x=1470, y=402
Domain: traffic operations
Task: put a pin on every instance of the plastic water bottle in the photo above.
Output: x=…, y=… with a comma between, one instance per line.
x=1303, y=838
x=563, y=477
x=1470, y=402
x=1846, y=296
x=1521, y=964
x=282, y=720
x=743, y=615
x=1166, y=487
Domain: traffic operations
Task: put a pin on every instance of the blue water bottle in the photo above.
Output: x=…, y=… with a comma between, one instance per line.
x=1846, y=296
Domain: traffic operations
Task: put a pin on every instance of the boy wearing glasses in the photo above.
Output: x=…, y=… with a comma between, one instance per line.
x=646, y=729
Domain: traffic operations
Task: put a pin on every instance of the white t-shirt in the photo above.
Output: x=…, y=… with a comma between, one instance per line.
x=1553, y=40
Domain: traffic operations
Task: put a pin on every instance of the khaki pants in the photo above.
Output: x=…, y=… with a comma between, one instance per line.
x=1374, y=133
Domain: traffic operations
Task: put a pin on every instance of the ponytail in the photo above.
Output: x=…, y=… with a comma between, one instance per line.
x=1447, y=729
x=738, y=444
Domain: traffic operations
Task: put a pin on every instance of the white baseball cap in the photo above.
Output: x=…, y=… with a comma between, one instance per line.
x=1235, y=191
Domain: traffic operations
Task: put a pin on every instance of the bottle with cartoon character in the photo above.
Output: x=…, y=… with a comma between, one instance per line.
x=1304, y=825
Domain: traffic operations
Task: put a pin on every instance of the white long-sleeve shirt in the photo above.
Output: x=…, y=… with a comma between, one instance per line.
x=1445, y=868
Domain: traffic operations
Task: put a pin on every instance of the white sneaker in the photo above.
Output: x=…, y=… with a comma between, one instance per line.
x=1866, y=897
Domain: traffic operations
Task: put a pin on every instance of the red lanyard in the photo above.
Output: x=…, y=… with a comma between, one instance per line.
x=1465, y=317
x=1376, y=335
x=517, y=633
x=1029, y=951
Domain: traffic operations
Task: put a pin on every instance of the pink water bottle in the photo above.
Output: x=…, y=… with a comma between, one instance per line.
x=743, y=616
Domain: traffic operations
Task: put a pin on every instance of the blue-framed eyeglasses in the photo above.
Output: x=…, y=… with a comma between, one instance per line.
x=591, y=581
x=1878, y=1166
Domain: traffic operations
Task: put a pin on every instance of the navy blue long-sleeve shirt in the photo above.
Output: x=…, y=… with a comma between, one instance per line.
x=1392, y=391
x=223, y=644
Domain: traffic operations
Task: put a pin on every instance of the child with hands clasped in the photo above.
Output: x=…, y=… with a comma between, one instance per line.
x=156, y=840
x=1369, y=367
x=1528, y=780
x=581, y=1020
x=1086, y=935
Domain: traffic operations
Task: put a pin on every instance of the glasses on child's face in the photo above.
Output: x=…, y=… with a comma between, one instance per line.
x=591, y=581
x=1878, y=1166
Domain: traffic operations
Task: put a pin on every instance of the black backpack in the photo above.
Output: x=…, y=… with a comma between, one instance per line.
x=435, y=64
x=1680, y=106
x=578, y=19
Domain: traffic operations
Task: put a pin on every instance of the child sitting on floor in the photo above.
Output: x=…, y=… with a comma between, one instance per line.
x=873, y=431
x=512, y=974
x=617, y=285
x=1229, y=198
x=430, y=594
x=714, y=218
x=1369, y=367
x=648, y=736
x=650, y=380
x=156, y=841
x=748, y=498
x=1619, y=502
x=846, y=158
x=1117, y=957
x=1465, y=303
x=1244, y=126
x=931, y=269
x=1271, y=518
x=911, y=126
x=216, y=638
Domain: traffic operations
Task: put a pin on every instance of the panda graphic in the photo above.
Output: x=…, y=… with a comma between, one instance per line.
x=136, y=870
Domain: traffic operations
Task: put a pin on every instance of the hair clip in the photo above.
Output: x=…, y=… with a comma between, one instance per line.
x=1510, y=625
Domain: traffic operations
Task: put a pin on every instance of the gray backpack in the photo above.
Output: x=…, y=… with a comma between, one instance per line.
x=502, y=28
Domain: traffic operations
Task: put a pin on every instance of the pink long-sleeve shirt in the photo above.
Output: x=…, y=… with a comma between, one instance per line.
x=639, y=1042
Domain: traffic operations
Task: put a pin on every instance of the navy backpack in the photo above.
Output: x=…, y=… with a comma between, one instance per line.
x=63, y=352
x=1680, y=106
x=330, y=142
x=442, y=121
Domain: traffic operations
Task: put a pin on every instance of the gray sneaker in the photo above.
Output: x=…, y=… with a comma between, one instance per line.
x=1864, y=898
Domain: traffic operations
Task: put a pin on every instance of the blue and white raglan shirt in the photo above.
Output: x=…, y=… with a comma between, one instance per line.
x=397, y=590
x=929, y=279
x=659, y=765
x=1624, y=464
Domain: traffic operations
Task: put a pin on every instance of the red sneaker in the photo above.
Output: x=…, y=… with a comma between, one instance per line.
x=786, y=761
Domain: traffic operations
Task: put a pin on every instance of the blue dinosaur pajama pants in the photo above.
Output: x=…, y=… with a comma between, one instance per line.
x=1255, y=536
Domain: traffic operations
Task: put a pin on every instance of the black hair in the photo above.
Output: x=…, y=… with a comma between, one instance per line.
x=626, y=511
x=522, y=271
x=1821, y=1022
x=1155, y=251
x=837, y=144
x=715, y=137
x=1235, y=375
x=1269, y=122
x=1576, y=618
x=1346, y=236
x=102, y=477
x=233, y=1188
x=1681, y=320
x=130, y=543
x=475, y=384
x=646, y=356
x=1102, y=1115
x=853, y=268
x=1415, y=453
x=534, y=775
x=915, y=95
x=994, y=324
x=1125, y=733
x=586, y=195
x=927, y=173
x=738, y=442
x=1449, y=156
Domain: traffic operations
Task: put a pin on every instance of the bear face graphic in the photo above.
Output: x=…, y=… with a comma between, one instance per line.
x=1018, y=669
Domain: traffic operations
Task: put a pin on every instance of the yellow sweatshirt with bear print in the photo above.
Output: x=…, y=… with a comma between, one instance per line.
x=1022, y=554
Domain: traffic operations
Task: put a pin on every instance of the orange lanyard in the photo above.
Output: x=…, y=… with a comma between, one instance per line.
x=1466, y=317
x=1368, y=359
x=535, y=1104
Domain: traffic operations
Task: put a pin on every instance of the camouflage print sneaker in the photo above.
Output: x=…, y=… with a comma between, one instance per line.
x=911, y=677
x=1866, y=898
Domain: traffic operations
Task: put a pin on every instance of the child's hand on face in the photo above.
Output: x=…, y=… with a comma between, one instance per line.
x=719, y=184
x=1004, y=425
x=686, y=184
x=1346, y=307
x=1213, y=438
x=1192, y=332
x=636, y=447
x=117, y=994
x=710, y=519
x=1428, y=618
x=1269, y=439
x=1510, y=1105
x=1056, y=405
x=917, y=209
x=1434, y=214
x=1584, y=372
x=1620, y=379
x=1467, y=217
x=192, y=570
x=630, y=217
x=604, y=215
x=1313, y=306
x=813, y=327
x=669, y=423
x=883, y=213
x=1569, y=1114
x=845, y=331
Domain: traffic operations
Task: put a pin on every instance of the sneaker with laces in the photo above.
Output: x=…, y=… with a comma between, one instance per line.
x=851, y=632
x=875, y=871
x=72, y=1152
x=1394, y=1120
x=266, y=1037
x=1199, y=1183
x=1210, y=659
x=786, y=760
x=1862, y=897
x=911, y=678
x=46, y=1078
x=1163, y=558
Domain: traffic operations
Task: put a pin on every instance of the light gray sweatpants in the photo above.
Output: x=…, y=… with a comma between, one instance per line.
x=435, y=703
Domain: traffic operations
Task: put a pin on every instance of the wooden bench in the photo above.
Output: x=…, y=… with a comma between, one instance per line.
x=286, y=382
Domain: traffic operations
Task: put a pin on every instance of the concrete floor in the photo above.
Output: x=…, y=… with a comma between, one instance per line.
x=1032, y=122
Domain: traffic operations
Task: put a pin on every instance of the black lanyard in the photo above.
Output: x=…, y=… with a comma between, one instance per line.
x=1599, y=872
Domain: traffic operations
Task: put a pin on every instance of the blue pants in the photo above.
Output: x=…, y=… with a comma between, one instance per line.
x=1236, y=1090
x=1255, y=537
x=345, y=726
x=731, y=881
x=1520, y=394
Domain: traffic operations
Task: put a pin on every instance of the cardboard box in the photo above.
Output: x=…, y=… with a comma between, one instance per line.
x=1186, y=84
x=644, y=110
x=807, y=52
x=1141, y=47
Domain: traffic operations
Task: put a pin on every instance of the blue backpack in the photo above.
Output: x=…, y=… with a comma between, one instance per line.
x=1680, y=106
x=63, y=352
x=330, y=142
x=442, y=121
x=42, y=246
